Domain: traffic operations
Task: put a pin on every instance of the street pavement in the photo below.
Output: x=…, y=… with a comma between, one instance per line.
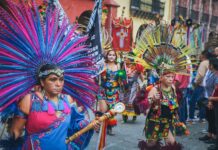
x=128, y=134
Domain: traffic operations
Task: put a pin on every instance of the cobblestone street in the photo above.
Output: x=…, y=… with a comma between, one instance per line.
x=128, y=135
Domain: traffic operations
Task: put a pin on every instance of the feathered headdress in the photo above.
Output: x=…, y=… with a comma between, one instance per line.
x=27, y=43
x=158, y=49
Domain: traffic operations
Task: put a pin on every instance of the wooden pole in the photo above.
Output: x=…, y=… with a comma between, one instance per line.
x=91, y=125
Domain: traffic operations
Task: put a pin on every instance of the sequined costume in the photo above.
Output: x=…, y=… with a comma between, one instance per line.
x=111, y=82
x=31, y=39
x=159, y=49
x=51, y=123
x=162, y=116
x=133, y=73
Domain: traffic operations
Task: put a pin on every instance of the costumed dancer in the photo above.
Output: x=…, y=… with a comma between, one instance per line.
x=49, y=54
x=134, y=72
x=160, y=52
x=112, y=79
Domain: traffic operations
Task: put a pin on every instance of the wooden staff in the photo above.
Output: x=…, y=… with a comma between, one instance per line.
x=119, y=108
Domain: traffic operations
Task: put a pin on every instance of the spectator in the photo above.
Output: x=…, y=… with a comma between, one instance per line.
x=213, y=101
x=210, y=82
x=198, y=86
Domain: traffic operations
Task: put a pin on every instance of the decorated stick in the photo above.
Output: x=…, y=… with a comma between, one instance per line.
x=118, y=108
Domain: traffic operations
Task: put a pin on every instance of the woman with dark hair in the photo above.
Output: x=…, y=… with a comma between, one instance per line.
x=48, y=113
x=46, y=53
x=213, y=103
x=112, y=79
x=164, y=56
x=210, y=80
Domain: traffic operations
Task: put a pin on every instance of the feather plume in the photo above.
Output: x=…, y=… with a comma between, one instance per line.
x=157, y=46
x=27, y=42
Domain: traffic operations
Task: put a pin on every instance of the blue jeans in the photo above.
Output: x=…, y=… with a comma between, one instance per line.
x=183, y=106
x=197, y=94
x=202, y=112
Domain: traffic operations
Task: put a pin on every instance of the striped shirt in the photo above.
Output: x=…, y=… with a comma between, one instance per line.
x=209, y=83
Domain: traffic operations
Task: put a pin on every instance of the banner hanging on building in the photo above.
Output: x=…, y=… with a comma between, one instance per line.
x=122, y=34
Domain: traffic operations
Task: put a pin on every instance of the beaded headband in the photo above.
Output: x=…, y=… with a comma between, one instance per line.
x=57, y=72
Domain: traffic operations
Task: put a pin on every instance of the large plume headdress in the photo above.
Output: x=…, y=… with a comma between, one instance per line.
x=158, y=48
x=27, y=43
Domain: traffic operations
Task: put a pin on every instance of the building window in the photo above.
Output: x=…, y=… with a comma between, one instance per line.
x=154, y=6
x=83, y=20
x=205, y=18
x=194, y=15
x=135, y=4
x=214, y=20
x=147, y=8
x=182, y=11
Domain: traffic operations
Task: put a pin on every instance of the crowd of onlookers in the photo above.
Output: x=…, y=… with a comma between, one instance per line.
x=198, y=93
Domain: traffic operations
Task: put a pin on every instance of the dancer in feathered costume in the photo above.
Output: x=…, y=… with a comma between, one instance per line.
x=134, y=72
x=52, y=56
x=158, y=49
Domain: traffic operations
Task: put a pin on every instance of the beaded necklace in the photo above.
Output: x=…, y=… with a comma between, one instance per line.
x=169, y=98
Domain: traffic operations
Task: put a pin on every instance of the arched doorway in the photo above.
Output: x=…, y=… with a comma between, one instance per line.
x=83, y=20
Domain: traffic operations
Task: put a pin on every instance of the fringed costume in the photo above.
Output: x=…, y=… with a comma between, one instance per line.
x=28, y=42
x=158, y=49
x=111, y=82
x=133, y=73
x=162, y=116
x=49, y=124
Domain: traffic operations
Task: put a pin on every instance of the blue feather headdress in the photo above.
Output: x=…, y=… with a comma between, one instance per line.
x=27, y=43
